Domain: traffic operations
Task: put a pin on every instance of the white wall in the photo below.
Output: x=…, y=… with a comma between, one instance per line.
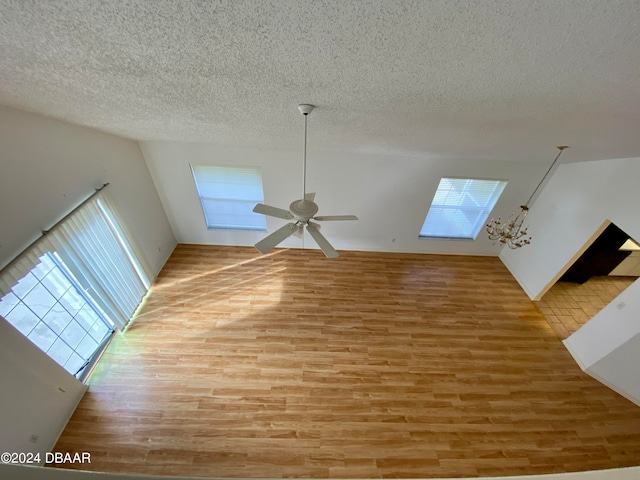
x=38, y=396
x=46, y=168
x=390, y=195
x=576, y=203
x=607, y=347
x=625, y=381
x=609, y=329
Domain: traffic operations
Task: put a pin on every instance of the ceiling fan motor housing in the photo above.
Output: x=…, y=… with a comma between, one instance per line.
x=303, y=210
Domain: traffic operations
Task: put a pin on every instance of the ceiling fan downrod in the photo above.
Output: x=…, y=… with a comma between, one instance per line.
x=300, y=212
x=305, y=109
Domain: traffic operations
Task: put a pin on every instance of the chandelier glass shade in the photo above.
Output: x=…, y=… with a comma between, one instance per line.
x=510, y=232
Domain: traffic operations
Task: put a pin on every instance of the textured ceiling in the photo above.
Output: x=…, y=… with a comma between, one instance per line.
x=444, y=79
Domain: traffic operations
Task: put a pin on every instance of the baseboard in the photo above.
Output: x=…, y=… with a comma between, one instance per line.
x=574, y=354
x=166, y=259
x=69, y=415
x=619, y=390
x=597, y=377
x=518, y=279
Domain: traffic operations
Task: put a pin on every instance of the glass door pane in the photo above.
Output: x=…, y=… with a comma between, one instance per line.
x=50, y=308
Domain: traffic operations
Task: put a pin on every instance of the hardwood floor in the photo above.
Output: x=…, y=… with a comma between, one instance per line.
x=568, y=305
x=370, y=365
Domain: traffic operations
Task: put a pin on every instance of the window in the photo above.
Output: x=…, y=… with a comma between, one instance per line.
x=228, y=196
x=49, y=307
x=460, y=207
x=73, y=286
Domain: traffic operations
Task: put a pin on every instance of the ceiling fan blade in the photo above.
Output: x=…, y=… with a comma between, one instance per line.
x=272, y=211
x=322, y=242
x=310, y=196
x=335, y=217
x=276, y=237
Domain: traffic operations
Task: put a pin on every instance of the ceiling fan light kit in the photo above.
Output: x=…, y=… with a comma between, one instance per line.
x=510, y=231
x=301, y=212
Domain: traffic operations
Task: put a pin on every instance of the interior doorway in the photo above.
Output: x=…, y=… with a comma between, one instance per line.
x=569, y=305
x=605, y=269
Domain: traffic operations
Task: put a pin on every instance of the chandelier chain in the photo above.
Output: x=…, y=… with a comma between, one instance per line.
x=561, y=148
x=510, y=232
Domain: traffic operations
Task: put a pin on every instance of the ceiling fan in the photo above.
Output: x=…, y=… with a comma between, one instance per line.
x=301, y=212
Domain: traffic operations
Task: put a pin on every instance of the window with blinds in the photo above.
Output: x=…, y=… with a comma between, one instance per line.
x=460, y=207
x=228, y=195
x=72, y=287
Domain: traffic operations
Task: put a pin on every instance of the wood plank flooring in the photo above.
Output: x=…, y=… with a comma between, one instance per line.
x=370, y=365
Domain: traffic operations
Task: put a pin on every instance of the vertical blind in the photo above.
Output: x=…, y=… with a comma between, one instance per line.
x=96, y=246
x=228, y=196
x=460, y=207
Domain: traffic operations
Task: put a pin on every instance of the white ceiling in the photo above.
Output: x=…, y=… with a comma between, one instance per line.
x=484, y=79
x=435, y=80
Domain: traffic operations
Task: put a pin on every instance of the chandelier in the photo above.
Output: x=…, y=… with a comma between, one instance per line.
x=510, y=232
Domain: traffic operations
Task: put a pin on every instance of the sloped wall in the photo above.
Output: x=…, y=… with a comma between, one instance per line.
x=572, y=207
x=38, y=396
x=47, y=168
x=577, y=202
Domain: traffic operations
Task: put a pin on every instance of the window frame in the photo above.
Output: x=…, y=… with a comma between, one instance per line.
x=486, y=211
x=66, y=280
x=95, y=257
x=237, y=201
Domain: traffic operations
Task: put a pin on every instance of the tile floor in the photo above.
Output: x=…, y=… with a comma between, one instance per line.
x=568, y=306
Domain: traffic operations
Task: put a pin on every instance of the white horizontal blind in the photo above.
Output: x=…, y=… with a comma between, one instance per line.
x=228, y=196
x=460, y=207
